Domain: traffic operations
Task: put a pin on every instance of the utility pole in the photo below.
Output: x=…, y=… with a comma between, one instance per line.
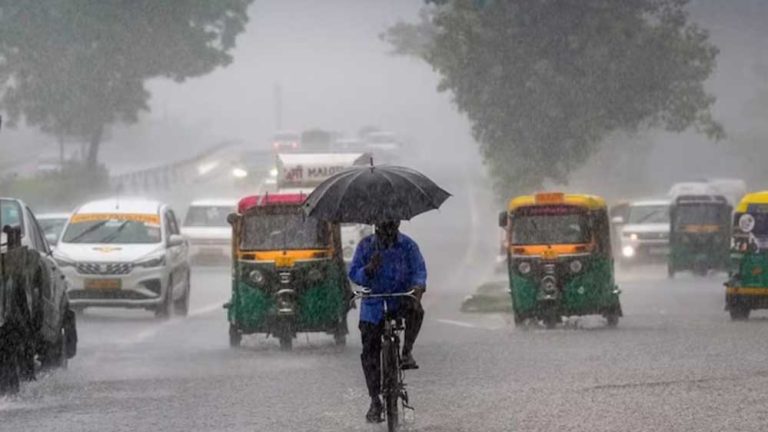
x=277, y=96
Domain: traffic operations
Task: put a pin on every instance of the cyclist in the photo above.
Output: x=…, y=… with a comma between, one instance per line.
x=387, y=262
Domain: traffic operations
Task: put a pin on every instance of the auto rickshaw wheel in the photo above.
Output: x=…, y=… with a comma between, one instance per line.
x=286, y=342
x=340, y=339
x=612, y=319
x=235, y=337
x=518, y=319
x=551, y=318
x=739, y=312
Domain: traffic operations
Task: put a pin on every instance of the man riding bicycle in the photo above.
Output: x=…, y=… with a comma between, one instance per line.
x=387, y=262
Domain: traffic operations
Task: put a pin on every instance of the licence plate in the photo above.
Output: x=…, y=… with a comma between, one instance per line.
x=103, y=284
x=658, y=251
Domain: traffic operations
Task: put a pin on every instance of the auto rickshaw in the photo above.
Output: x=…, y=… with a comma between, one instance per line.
x=700, y=232
x=747, y=285
x=288, y=272
x=559, y=258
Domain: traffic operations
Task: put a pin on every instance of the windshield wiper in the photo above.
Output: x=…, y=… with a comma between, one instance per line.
x=114, y=235
x=87, y=231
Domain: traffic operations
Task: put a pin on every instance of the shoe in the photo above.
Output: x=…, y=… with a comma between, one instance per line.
x=375, y=412
x=408, y=362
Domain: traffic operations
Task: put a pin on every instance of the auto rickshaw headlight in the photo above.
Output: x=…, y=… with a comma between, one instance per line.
x=314, y=275
x=628, y=251
x=524, y=267
x=633, y=236
x=256, y=277
x=576, y=266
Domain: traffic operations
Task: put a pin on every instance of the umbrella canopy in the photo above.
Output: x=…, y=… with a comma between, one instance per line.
x=374, y=194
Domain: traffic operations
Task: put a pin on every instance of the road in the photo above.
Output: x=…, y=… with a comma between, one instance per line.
x=676, y=362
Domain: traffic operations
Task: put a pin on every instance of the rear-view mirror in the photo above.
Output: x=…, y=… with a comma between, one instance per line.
x=176, y=240
x=503, y=218
x=232, y=218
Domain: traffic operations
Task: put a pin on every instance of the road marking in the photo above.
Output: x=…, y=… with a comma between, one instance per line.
x=457, y=323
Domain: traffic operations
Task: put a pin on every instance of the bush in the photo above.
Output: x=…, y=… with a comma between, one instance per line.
x=61, y=190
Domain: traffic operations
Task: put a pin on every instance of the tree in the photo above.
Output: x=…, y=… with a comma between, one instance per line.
x=74, y=67
x=544, y=82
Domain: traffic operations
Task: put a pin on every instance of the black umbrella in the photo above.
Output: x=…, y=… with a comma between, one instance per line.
x=374, y=194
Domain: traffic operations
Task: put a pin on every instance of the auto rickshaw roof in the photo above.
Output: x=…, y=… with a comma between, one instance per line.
x=752, y=198
x=591, y=202
x=265, y=200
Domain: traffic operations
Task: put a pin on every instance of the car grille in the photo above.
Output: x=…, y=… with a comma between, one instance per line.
x=652, y=236
x=104, y=268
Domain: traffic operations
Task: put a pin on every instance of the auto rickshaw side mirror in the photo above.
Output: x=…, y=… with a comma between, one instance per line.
x=232, y=218
x=618, y=220
x=503, y=219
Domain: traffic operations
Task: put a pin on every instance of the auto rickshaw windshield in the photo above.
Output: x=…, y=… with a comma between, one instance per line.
x=278, y=231
x=699, y=214
x=550, y=225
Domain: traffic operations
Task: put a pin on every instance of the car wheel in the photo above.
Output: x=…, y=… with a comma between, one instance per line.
x=10, y=376
x=181, y=306
x=165, y=309
x=70, y=327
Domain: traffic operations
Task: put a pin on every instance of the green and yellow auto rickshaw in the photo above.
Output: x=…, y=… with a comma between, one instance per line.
x=559, y=258
x=289, y=274
x=747, y=285
x=700, y=234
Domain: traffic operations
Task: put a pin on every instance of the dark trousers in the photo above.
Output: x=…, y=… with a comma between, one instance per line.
x=413, y=314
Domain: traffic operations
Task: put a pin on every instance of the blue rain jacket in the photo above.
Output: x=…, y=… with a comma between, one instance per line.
x=402, y=268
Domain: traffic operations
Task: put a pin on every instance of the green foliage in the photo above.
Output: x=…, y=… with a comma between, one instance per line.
x=544, y=82
x=73, y=67
x=63, y=190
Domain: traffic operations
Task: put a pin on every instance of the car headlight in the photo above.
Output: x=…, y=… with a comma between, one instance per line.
x=239, y=173
x=256, y=277
x=576, y=266
x=524, y=267
x=152, y=262
x=63, y=262
x=628, y=251
x=633, y=236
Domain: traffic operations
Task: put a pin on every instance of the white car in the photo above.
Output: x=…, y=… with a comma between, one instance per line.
x=208, y=231
x=644, y=236
x=53, y=225
x=126, y=253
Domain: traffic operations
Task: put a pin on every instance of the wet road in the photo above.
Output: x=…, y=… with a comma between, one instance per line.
x=676, y=362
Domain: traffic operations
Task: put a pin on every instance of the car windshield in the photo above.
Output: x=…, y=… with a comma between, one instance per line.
x=550, y=225
x=278, y=231
x=699, y=214
x=648, y=214
x=208, y=216
x=116, y=230
x=52, y=227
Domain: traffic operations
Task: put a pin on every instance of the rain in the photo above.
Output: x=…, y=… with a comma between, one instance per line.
x=194, y=197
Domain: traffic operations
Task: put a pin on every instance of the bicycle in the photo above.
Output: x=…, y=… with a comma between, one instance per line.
x=392, y=376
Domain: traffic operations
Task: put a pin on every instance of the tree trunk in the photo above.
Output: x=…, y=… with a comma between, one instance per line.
x=93, y=149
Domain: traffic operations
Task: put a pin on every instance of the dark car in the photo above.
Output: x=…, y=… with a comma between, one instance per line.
x=36, y=322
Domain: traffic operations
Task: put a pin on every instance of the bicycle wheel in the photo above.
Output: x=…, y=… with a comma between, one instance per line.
x=390, y=369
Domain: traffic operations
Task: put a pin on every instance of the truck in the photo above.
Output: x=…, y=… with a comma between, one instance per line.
x=36, y=322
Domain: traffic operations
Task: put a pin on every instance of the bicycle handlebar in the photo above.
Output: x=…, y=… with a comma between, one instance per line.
x=366, y=293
